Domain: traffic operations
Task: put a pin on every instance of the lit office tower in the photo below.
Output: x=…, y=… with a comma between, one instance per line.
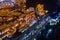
x=1, y=0
x=8, y=2
x=13, y=0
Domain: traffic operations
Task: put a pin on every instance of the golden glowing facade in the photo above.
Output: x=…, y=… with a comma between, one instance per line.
x=20, y=22
x=40, y=8
x=12, y=18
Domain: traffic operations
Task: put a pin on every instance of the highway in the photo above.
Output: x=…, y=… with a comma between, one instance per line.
x=41, y=22
x=32, y=30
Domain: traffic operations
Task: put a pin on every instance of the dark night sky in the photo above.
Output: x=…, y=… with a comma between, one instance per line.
x=49, y=4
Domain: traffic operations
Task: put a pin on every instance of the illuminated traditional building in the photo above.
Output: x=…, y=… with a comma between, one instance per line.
x=40, y=9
